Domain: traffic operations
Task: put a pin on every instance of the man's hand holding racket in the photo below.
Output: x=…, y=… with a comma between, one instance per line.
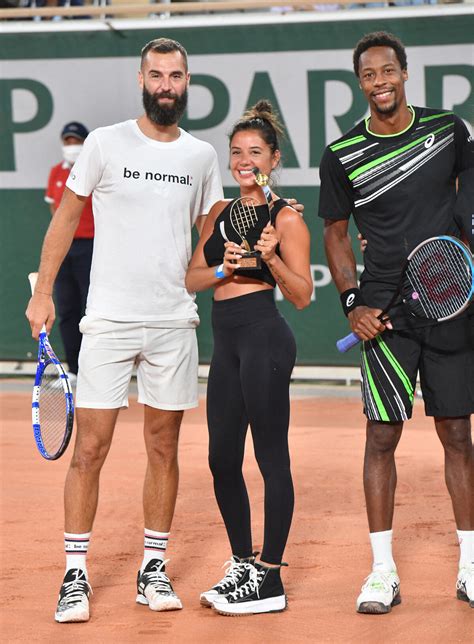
x=366, y=323
x=52, y=406
x=436, y=283
x=40, y=312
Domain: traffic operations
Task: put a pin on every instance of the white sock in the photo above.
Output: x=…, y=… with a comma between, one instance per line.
x=466, y=546
x=76, y=547
x=381, y=543
x=155, y=546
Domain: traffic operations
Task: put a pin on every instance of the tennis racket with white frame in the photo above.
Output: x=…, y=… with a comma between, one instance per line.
x=52, y=406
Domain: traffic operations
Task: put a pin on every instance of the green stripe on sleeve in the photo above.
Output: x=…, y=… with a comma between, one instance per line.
x=345, y=144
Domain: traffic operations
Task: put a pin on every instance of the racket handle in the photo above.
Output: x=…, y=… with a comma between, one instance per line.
x=346, y=343
x=32, y=278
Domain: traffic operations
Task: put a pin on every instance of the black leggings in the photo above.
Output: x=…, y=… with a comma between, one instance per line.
x=254, y=354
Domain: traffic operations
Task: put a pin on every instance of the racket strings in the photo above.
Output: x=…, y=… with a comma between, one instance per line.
x=52, y=410
x=243, y=216
x=438, y=280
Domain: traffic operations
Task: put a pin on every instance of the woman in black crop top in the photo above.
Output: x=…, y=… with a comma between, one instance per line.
x=254, y=354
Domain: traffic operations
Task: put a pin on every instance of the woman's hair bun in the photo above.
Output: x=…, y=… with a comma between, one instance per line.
x=263, y=109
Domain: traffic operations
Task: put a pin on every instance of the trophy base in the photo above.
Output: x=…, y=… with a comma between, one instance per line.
x=250, y=261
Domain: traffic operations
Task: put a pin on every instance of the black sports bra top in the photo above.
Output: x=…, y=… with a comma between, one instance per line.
x=224, y=231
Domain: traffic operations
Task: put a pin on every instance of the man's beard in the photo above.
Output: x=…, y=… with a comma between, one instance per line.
x=167, y=114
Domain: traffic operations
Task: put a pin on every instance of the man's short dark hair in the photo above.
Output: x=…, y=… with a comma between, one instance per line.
x=379, y=39
x=165, y=46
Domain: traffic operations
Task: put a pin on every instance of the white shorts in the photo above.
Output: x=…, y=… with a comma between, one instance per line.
x=166, y=362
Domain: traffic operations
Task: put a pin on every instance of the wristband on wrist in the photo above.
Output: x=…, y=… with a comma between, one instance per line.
x=219, y=272
x=350, y=299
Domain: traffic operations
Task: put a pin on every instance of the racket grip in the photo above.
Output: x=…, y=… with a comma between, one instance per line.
x=346, y=343
x=32, y=278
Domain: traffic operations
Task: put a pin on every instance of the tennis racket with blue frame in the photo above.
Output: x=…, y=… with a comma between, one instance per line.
x=52, y=406
x=436, y=283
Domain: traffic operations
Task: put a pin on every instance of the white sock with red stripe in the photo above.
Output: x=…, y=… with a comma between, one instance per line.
x=155, y=546
x=76, y=547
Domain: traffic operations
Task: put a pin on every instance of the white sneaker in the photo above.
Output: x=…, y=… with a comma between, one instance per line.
x=379, y=593
x=465, y=585
x=237, y=572
x=154, y=588
x=73, y=602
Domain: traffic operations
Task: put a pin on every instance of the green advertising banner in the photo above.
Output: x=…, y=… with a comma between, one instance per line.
x=302, y=63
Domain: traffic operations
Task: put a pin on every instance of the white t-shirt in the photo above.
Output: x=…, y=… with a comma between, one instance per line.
x=146, y=198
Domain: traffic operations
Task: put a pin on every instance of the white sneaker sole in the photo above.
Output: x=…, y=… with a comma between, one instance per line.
x=72, y=615
x=207, y=600
x=270, y=605
x=170, y=603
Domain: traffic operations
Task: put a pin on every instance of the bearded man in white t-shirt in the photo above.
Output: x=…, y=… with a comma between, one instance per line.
x=150, y=182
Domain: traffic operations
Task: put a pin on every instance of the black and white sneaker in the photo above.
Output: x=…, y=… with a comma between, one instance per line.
x=154, y=588
x=465, y=585
x=73, y=601
x=380, y=592
x=237, y=573
x=262, y=593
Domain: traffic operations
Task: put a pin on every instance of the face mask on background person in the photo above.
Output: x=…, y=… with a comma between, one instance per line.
x=71, y=152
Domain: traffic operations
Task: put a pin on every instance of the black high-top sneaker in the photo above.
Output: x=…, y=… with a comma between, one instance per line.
x=237, y=573
x=263, y=592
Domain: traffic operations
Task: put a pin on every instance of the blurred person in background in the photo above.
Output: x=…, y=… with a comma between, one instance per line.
x=55, y=3
x=40, y=4
x=72, y=283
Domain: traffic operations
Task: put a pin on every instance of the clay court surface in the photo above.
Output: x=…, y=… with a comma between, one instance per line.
x=328, y=549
